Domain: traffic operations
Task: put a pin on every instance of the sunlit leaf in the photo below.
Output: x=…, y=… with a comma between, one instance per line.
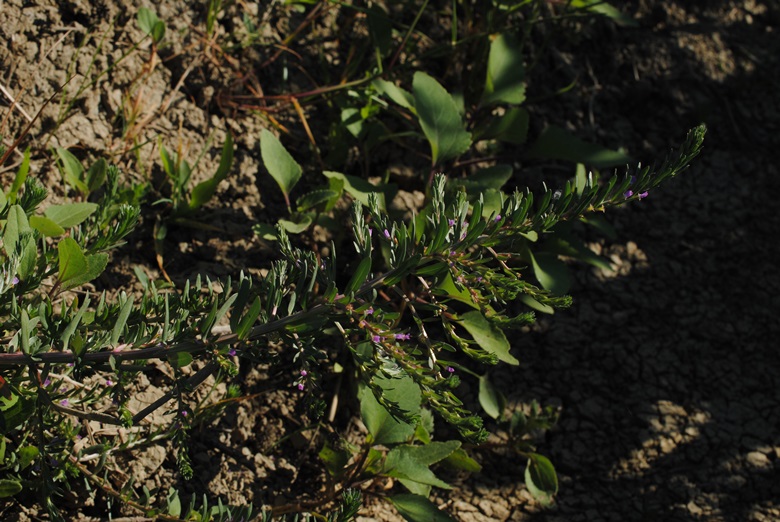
x=416, y=508
x=279, y=163
x=439, y=118
x=488, y=336
x=505, y=72
x=70, y=214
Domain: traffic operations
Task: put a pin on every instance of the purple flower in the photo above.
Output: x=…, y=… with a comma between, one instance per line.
x=479, y=279
x=497, y=218
x=387, y=234
x=14, y=281
x=370, y=232
x=46, y=383
x=232, y=352
x=301, y=386
x=109, y=382
x=304, y=373
x=451, y=222
x=376, y=338
x=184, y=413
x=403, y=337
x=65, y=402
x=450, y=369
x=643, y=195
x=627, y=194
x=369, y=310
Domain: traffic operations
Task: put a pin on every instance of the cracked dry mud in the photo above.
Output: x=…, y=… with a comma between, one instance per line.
x=666, y=370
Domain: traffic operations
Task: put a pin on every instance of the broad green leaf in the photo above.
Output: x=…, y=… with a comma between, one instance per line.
x=395, y=93
x=603, y=8
x=493, y=177
x=451, y=291
x=9, y=488
x=70, y=214
x=334, y=459
x=204, y=191
x=299, y=222
x=72, y=261
x=15, y=226
x=180, y=359
x=19, y=179
x=158, y=31
x=359, y=276
x=147, y=19
x=552, y=273
x=439, y=118
x=29, y=257
x=265, y=231
x=279, y=163
x=488, y=336
x=352, y=120
x=461, y=460
x=512, y=127
x=413, y=462
x=27, y=455
x=491, y=399
x=416, y=508
x=73, y=170
x=174, y=503
x=359, y=188
x=558, y=144
x=14, y=412
x=96, y=264
x=536, y=305
x=96, y=174
x=316, y=197
x=505, y=72
x=382, y=426
x=46, y=226
x=541, y=479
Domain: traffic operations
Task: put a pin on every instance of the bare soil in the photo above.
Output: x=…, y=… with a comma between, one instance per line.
x=663, y=370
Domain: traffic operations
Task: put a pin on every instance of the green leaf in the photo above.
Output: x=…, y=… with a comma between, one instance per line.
x=180, y=359
x=493, y=177
x=447, y=286
x=541, y=479
x=558, y=144
x=416, y=508
x=382, y=426
x=412, y=462
x=204, y=191
x=121, y=320
x=245, y=325
x=72, y=261
x=603, y=8
x=279, y=163
x=158, y=31
x=505, y=72
x=19, y=179
x=174, y=503
x=298, y=223
x=461, y=460
x=265, y=231
x=316, y=197
x=359, y=276
x=491, y=400
x=359, y=188
x=96, y=174
x=70, y=214
x=439, y=118
x=536, y=305
x=27, y=455
x=352, y=120
x=552, y=273
x=150, y=24
x=512, y=127
x=334, y=459
x=14, y=412
x=46, y=226
x=15, y=226
x=73, y=170
x=9, y=488
x=29, y=256
x=488, y=336
x=96, y=263
x=395, y=93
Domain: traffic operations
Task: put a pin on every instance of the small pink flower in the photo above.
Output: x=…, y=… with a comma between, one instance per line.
x=369, y=310
x=497, y=218
x=643, y=195
x=184, y=413
x=304, y=373
x=301, y=386
x=65, y=402
x=232, y=352
x=14, y=281
x=450, y=369
x=451, y=222
x=387, y=234
x=627, y=194
x=376, y=338
x=46, y=383
x=109, y=382
x=403, y=337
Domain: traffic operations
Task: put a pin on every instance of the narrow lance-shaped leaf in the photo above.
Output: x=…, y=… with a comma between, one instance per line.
x=204, y=191
x=416, y=508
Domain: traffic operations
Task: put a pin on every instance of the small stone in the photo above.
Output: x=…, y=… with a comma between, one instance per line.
x=757, y=459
